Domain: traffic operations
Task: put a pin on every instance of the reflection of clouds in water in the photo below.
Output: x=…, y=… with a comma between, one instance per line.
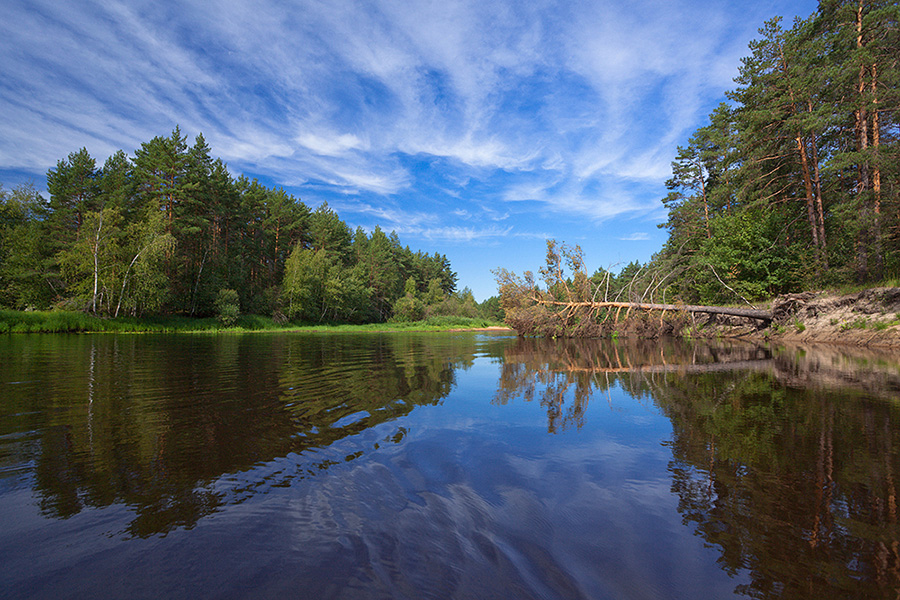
x=641, y=419
x=473, y=518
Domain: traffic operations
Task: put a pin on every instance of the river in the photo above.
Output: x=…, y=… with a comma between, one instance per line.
x=451, y=465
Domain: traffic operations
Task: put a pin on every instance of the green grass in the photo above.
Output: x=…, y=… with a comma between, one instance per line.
x=851, y=288
x=866, y=323
x=442, y=323
x=76, y=322
x=858, y=323
x=882, y=325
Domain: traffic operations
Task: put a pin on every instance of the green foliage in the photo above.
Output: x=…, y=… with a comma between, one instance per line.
x=409, y=288
x=739, y=254
x=491, y=309
x=793, y=185
x=228, y=307
x=74, y=191
x=164, y=231
x=461, y=304
x=319, y=288
x=58, y=321
x=328, y=232
x=858, y=323
x=90, y=265
x=145, y=286
x=27, y=277
x=304, y=283
x=408, y=308
x=435, y=293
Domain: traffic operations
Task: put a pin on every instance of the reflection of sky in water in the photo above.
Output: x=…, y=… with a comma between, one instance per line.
x=492, y=500
x=414, y=478
x=599, y=495
x=471, y=499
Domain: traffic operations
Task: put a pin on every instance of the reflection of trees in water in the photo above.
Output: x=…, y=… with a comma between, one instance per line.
x=141, y=421
x=789, y=470
x=795, y=485
x=552, y=371
x=153, y=422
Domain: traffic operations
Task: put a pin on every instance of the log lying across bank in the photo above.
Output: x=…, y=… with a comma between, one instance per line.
x=750, y=313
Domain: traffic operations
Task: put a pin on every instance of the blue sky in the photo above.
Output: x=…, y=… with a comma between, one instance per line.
x=477, y=129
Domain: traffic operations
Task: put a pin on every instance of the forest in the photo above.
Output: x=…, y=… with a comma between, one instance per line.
x=795, y=182
x=169, y=231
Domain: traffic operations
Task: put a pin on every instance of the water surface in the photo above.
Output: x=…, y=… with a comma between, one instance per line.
x=444, y=466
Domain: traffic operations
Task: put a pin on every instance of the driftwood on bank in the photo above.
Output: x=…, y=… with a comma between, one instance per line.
x=750, y=313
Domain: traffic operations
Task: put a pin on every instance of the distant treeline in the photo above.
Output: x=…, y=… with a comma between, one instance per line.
x=795, y=183
x=170, y=231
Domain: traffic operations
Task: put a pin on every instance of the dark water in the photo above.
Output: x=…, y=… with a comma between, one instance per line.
x=444, y=466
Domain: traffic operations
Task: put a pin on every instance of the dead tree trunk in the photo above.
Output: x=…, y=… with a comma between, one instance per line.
x=762, y=315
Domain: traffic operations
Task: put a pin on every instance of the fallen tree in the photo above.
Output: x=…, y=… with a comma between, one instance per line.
x=749, y=313
x=571, y=304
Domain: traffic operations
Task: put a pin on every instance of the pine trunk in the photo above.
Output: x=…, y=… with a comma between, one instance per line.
x=810, y=201
x=820, y=212
x=862, y=143
x=876, y=178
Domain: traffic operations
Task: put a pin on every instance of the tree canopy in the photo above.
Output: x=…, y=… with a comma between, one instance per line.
x=794, y=183
x=171, y=231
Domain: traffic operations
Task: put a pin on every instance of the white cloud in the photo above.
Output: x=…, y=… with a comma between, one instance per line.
x=381, y=183
x=391, y=216
x=486, y=153
x=330, y=145
x=459, y=234
x=638, y=236
x=569, y=105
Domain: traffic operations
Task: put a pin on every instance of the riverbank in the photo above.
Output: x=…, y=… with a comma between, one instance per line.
x=869, y=317
x=77, y=322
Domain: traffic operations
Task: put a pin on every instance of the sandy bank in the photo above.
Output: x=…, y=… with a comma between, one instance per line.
x=867, y=318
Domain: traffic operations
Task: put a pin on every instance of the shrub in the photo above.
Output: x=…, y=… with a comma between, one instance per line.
x=228, y=307
x=408, y=308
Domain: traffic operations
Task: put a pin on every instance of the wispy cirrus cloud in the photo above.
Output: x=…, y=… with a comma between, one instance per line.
x=537, y=115
x=391, y=216
x=542, y=87
x=462, y=234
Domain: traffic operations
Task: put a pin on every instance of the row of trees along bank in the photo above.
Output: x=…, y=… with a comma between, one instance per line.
x=795, y=183
x=170, y=231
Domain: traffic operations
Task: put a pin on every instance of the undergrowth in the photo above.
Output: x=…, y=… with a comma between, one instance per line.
x=77, y=322
x=854, y=288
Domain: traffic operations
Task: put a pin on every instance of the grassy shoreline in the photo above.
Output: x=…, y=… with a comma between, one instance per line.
x=12, y=321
